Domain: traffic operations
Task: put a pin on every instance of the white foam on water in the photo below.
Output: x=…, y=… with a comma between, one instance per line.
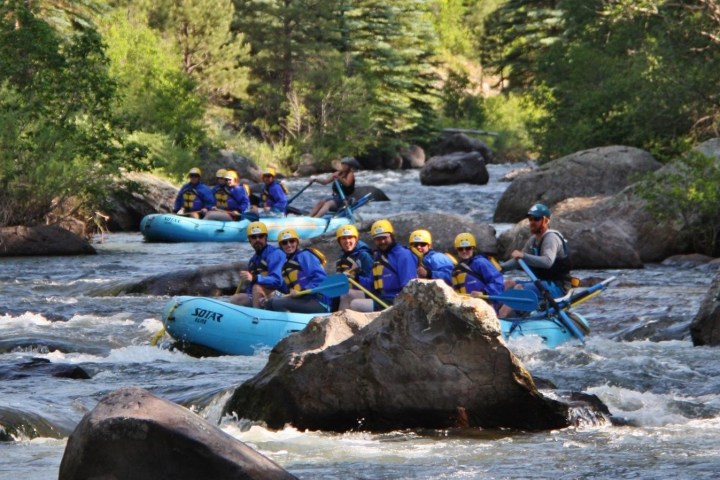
x=642, y=408
x=26, y=320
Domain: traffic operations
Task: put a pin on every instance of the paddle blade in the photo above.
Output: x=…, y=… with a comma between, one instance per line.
x=521, y=300
x=333, y=286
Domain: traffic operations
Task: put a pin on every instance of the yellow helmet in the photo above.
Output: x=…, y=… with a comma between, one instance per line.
x=194, y=171
x=380, y=228
x=256, y=228
x=420, y=236
x=465, y=240
x=231, y=175
x=347, y=231
x=288, y=234
x=220, y=173
x=269, y=171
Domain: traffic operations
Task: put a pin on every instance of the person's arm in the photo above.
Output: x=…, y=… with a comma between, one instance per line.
x=490, y=275
x=327, y=180
x=241, y=198
x=551, y=244
x=439, y=266
x=207, y=196
x=314, y=272
x=279, y=195
x=274, y=278
x=406, y=264
x=179, y=199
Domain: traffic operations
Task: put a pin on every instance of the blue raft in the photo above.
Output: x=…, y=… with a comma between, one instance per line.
x=168, y=227
x=229, y=329
x=234, y=330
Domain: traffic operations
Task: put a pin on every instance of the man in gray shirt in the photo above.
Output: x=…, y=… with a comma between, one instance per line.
x=546, y=253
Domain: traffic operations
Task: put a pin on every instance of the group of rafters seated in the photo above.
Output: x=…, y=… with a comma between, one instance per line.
x=278, y=278
x=228, y=199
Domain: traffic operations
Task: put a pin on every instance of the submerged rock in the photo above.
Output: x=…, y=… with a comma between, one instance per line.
x=433, y=360
x=42, y=240
x=134, y=434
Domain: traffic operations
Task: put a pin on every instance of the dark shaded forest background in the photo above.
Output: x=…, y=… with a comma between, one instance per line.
x=90, y=89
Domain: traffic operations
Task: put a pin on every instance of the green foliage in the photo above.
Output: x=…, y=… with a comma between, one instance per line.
x=60, y=138
x=207, y=51
x=263, y=153
x=158, y=99
x=511, y=116
x=687, y=190
x=612, y=72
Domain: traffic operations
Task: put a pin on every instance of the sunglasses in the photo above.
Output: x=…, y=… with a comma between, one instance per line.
x=286, y=242
x=420, y=244
x=464, y=249
x=255, y=237
x=535, y=219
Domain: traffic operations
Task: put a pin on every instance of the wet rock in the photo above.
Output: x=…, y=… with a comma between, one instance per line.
x=16, y=424
x=433, y=360
x=662, y=328
x=705, y=327
x=140, y=194
x=377, y=194
x=134, y=434
x=592, y=244
x=688, y=260
x=209, y=281
x=454, y=168
x=41, y=240
x=459, y=142
x=37, y=367
x=598, y=171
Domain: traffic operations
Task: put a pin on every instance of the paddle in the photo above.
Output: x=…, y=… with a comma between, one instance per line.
x=522, y=300
x=332, y=286
x=300, y=191
x=348, y=210
x=566, y=321
x=369, y=293
x=590, y=292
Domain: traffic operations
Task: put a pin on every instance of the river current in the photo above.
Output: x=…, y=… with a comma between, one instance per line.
x=638, y=360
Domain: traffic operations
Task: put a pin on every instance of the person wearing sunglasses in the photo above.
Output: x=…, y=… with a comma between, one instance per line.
x=274, y=199
x=356, y=262
x=263, y=277
x=474, y=272
x=231, y=199
x=546, y=253
x=394, y=264
x=303, y=270
x=431, y=263
x=194, y=198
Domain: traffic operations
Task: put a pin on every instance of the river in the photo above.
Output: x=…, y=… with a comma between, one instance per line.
x=667, y=392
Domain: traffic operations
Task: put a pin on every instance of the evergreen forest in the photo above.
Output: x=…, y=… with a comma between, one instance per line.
x=90, y=88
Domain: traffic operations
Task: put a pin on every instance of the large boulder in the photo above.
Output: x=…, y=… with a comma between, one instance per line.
x=453, y=168
x=705, y=327
x=459, y=142
x=140, y=194
x=433, y=360
x=598, y=171
x=600, y=242
x=210, y=281
x=42, y=240
x=229, y=160
x=134, y=434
